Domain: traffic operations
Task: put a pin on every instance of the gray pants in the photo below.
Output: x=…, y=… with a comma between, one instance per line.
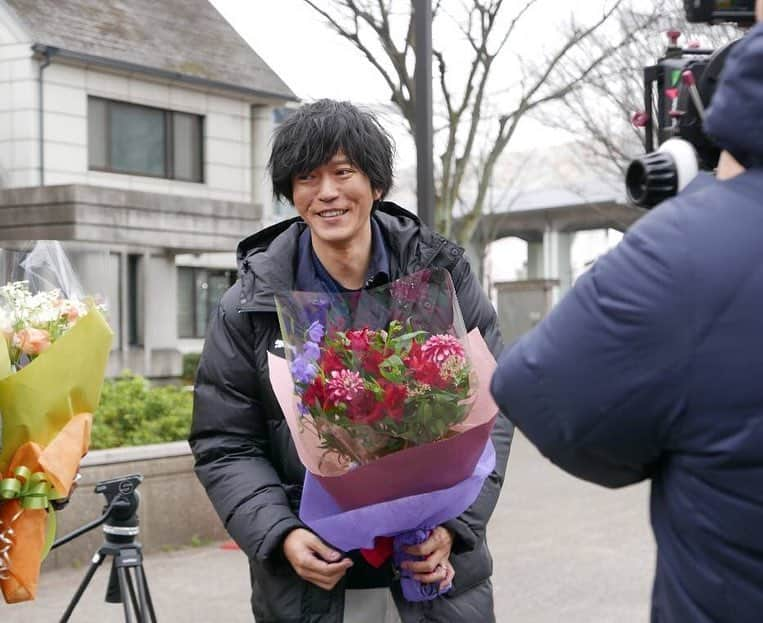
x=371, y=605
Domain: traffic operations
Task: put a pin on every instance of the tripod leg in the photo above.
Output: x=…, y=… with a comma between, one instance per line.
x=145, y=594
x=94, y=564
x=136, y=607
x=122, y=575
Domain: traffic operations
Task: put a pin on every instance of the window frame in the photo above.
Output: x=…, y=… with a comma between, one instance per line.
x=231, y=275
x=169, y=143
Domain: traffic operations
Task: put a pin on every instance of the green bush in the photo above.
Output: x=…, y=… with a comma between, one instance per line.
x=190, y=365
x=132, y=413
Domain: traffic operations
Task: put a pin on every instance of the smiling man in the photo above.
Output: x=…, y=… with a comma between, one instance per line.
x=333, y=162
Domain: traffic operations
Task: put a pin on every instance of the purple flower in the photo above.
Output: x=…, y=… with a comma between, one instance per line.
x=311, y=351
x=315, y=332
x=303, y=370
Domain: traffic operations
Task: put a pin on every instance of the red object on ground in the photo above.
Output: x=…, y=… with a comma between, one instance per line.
x=231, y=545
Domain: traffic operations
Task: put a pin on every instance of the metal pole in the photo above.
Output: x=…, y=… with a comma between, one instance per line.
x=422, y=15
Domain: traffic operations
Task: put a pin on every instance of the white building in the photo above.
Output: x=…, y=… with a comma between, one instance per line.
x=137, y=132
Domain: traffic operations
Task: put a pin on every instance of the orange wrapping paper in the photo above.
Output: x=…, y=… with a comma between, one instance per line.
x=59, y=460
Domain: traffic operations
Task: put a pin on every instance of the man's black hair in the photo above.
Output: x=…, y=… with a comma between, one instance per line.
x=314, y=134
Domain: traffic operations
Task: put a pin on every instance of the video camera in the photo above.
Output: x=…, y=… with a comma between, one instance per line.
x=740, y=12
x=677, y=91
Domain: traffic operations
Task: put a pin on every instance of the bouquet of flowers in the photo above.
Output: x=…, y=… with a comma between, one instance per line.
x=371, y=393
x=53, y=353
x=378, y=385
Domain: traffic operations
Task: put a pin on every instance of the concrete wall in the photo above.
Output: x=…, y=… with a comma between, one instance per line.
x=174, y=510
x=161, y=290
x=236, y=133
x=227, y=128
x=18, y=105
x=116, y=217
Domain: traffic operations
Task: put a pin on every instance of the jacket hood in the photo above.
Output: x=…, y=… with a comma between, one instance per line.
x=735, y=118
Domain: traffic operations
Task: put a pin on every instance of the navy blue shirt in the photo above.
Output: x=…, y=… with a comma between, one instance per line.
x=312, y=276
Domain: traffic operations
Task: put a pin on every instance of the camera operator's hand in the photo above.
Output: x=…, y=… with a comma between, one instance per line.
x=313, y=560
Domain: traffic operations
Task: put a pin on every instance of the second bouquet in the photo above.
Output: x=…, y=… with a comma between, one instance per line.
x=54, y=348
x=386, y=398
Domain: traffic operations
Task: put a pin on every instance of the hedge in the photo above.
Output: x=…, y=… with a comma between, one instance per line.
x=132, y=413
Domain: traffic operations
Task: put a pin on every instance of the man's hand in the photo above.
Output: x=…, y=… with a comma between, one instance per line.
x=313, y=560
x=435, y=566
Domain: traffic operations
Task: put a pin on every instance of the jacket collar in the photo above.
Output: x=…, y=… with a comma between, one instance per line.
x=267, y=258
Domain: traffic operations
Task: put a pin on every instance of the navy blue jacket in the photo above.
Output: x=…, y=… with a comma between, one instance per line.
x=652, y=367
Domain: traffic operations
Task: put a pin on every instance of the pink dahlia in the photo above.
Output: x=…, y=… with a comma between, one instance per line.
x=440, y=347
x=344, y=385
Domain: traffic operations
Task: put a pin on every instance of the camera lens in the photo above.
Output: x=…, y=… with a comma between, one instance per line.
x=651, y=178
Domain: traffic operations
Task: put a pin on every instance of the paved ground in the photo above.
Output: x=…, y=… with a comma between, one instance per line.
x=564, y=551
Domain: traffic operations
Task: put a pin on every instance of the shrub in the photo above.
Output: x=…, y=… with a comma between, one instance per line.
x=190, y=365
x=132, y=413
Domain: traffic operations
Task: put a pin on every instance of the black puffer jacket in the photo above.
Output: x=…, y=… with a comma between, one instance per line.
x=244, y=454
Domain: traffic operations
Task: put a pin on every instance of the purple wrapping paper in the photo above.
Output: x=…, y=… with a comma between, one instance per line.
x=357, y=528
x=413, y=590
x=389, y=477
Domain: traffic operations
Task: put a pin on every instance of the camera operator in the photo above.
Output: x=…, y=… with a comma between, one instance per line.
x=652, y=367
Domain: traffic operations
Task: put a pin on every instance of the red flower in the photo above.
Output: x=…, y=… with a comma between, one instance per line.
x=394, y=400
x=372, y=360
x=343, y=386
x=364, y=408
x=359, y=339
x=413, y=353
x=425, y=371
x=315, y=393
x=440, y=347
x=331, y=362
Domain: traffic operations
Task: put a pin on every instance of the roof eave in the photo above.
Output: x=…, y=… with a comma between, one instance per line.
x=124, y=66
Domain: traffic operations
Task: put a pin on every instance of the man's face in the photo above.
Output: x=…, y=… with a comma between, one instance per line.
x=759, y=10
x=335, y=201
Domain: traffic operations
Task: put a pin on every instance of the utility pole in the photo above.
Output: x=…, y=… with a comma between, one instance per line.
x=422, y=15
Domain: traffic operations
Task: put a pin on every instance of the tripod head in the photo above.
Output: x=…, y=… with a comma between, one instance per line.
x=120, y=515
x=121, y=511
x=121, y=490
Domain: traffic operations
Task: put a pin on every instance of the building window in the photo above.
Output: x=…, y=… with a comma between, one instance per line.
x=134, y=300
x=199, y=291
x=140, y=140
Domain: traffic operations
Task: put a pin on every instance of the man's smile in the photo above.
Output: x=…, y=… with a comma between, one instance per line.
x=332, y=213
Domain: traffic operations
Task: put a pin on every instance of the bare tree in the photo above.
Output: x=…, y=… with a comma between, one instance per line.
x=479, y=107
x=599, y=113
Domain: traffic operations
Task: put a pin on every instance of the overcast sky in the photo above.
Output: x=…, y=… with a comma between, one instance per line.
x=315, y=62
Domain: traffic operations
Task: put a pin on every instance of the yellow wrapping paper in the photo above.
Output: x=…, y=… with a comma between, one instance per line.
x=59, y=461
x=40, y=399
x=46, y=409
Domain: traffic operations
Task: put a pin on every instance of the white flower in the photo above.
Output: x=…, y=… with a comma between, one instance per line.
x=6, y=323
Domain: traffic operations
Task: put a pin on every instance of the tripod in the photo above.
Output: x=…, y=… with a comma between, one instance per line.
x=120, y=528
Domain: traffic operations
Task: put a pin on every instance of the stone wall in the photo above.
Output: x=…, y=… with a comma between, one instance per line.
x=174, y=510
